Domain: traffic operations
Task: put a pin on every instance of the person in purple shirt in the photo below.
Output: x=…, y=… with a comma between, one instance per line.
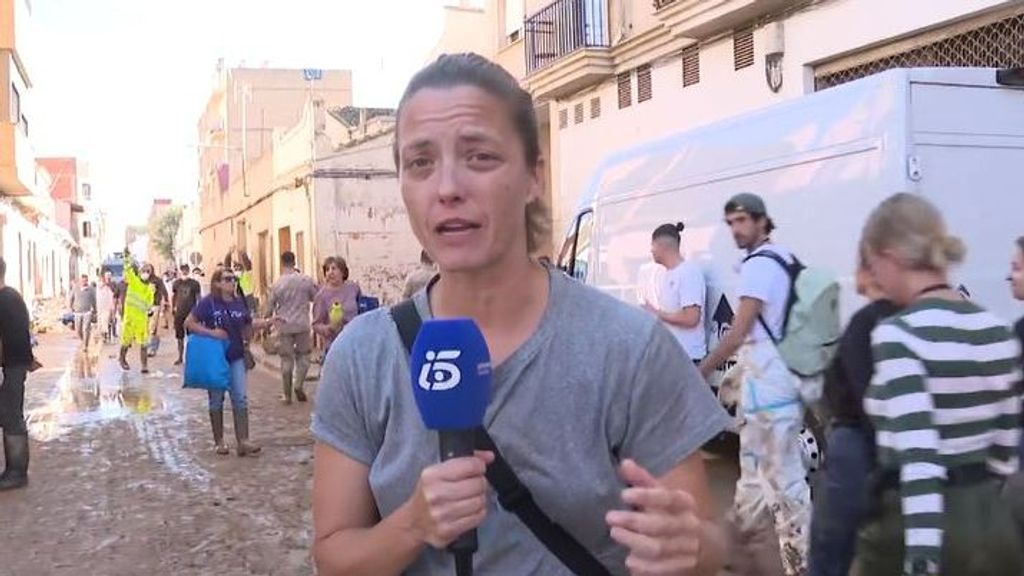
x=336, y=304
x=225, y=315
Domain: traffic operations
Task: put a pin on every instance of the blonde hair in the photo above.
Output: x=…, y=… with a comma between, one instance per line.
x=914, y=229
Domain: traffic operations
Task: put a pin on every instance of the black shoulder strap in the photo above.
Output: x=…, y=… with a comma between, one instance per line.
x=513, y=495
x=792, y=270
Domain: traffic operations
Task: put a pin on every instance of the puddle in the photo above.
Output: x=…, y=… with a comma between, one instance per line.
x=89, y=392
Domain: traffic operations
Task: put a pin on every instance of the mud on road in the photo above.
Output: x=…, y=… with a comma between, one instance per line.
x=123, y=480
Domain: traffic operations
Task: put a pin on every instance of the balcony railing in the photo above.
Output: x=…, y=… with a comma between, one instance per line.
x=562, y=28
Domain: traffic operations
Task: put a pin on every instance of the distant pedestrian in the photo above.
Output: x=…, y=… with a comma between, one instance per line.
x=290, y=300
x=204, y=284
x=224, y=315
x=680, y=304
x=336, y=304
x=82, y=303
x=166, y=306
x=160, y=303
x=246, y=286
x=17, y=360
x=945, y=404
x=139, y=302
x=843, y=503
x=419, y=277
x=186, y=291
x=106, y=305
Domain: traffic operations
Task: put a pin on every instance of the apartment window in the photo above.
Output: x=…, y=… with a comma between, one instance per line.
x=24, y=125
x=577, y=113
x=563, y=118
x=625, y=81
x=691, y=66
x=86, y=192
x=86, y=229
x=644, y=90
x=15, y=105
x=514, y=15
x=743, y=48
x=595, y=107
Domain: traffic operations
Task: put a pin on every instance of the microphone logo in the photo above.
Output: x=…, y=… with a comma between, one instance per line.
x=439, y=373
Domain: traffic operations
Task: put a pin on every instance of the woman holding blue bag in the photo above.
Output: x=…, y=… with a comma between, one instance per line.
x=225, y=316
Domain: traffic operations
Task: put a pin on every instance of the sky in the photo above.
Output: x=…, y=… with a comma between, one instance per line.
x=121, y=83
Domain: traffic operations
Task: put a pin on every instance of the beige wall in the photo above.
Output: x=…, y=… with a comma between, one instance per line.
x=364, y=220
x=278, y=124
x=465, y=29
x=17, y=156
x=810, y=36
x=637, y=34
x=265, y=199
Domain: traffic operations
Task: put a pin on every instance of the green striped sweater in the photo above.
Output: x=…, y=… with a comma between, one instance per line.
x=946, y=393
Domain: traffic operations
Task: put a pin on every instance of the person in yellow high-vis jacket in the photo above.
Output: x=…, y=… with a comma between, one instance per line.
x=139, y=299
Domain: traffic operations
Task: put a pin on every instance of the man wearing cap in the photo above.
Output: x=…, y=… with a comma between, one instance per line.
x=772, y=471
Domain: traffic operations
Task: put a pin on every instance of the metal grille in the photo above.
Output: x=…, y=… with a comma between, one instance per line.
x=561, y=28
x=743, y=48
x=644, y=90
x=577, y=113
x=997, y=45
x=691, y=66
x=595, y=107
x=563, y=118
x=625, y=81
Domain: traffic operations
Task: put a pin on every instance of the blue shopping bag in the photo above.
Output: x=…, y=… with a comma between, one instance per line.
x=206, y=363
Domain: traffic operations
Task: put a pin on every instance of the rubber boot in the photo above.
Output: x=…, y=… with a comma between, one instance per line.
x=301, y=369
x=286, y=386
x=245, y=448
x=123, y=358
x=16, y=457
x=144, y=358
x=217, y=424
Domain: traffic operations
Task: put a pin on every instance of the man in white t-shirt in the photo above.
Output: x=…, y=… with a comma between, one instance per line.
x=772, y=472
x=681, y=292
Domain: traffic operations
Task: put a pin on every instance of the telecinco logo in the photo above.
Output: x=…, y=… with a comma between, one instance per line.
x=438, y=373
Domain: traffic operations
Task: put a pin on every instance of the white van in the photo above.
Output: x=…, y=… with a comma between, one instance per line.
x=822, y=163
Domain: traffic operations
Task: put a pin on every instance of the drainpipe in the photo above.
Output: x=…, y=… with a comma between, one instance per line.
x=310, y=185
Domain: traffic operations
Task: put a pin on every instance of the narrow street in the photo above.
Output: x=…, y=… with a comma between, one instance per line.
x=124, y=481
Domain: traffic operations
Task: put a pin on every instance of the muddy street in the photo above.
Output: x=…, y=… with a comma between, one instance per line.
x=124, y=480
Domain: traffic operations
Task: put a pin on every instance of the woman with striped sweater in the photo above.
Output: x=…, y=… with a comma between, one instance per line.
x=945, y=401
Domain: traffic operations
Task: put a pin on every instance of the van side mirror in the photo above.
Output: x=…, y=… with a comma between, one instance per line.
x=1010, y=77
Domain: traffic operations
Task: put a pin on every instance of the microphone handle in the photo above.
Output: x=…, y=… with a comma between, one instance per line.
x=459, y=444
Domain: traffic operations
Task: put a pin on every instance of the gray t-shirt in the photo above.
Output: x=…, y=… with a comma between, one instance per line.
x=596, y=383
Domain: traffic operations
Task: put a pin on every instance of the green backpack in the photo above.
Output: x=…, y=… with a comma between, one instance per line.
x=811, y=328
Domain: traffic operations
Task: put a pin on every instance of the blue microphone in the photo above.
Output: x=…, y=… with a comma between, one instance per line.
x=451, y=380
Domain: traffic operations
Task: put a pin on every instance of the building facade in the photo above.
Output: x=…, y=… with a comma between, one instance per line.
x=188, y=244
x=360, y=215
x=76, y=212
x=629, y=71
x=39, y=254
x=312, y=157
x=256, y=139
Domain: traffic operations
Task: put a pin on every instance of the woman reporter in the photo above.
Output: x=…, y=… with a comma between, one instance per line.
x=593, y=405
